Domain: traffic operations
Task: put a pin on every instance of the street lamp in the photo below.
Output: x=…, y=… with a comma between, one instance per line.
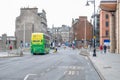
x=69, y=34
x=24, y=36
x=85, y=34
x=87, y=4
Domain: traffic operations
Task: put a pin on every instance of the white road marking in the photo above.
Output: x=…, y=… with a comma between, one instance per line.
x=65, y=72
x=73, y=72
x=70, y=72
x=26, y=77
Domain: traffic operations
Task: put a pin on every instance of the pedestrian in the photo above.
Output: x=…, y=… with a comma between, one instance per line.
x=10, y=47
x=101, y=48
x=90, y=46
x=105, y=48
x=56, y=49
x=73, y=47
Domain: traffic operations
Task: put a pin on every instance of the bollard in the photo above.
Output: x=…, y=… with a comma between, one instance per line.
x=20, y=52
x=94, y=52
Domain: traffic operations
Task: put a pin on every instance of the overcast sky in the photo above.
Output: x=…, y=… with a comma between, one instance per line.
x=58, y=12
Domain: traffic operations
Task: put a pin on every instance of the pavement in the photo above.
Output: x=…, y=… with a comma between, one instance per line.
x=10, y=53
x=107, y=64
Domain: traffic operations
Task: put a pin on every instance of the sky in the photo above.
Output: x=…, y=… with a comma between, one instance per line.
x=58, y=12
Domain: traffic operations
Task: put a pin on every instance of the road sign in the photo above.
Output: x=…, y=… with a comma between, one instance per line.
x=107, y=42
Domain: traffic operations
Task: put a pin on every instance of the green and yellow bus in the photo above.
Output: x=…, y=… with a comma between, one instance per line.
x=40, y=43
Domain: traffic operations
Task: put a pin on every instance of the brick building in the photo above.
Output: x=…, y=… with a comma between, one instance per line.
x=82, y=30
x=104, y=28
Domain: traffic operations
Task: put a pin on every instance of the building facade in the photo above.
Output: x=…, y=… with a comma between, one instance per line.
x=82, y=30
x=7, y=41
x=27, y=22
x=97, y=29
x=104, y=28
x=112, y=7
x=61, y=34
x=65, y=33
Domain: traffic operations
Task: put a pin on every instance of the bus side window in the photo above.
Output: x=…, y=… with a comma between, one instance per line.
x=45, y=45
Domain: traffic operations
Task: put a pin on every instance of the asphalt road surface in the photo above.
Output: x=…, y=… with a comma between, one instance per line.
x=66, y=64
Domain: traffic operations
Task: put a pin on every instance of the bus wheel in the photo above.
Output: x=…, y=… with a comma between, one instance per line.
x=34, y=53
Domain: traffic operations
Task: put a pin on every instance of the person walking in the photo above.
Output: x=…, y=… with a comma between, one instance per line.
x=73, y=47
x=105, y=48
x=10, y=47
x=101, y=48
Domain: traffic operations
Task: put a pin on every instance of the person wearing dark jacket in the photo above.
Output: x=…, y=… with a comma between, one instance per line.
x=105, y=48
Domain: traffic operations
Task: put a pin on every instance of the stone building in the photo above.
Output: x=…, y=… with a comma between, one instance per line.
x=27, y=22
x=65, y=33
x=82, y=30
x=6, y=41
x=55, y=34
x=61, y=34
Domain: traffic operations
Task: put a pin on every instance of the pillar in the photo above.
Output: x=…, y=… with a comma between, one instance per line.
x=118, y=28
x=112, y=33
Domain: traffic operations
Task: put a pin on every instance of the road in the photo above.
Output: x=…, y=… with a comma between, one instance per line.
x=67, y=64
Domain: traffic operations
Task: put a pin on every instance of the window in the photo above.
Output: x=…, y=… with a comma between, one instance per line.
x=107, y=33
x=107, y=23
x=107, y=16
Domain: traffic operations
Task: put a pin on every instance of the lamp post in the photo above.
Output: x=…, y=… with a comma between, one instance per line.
x=24, y=36
x=87, y=4
x=69, y=34
x=85, y=34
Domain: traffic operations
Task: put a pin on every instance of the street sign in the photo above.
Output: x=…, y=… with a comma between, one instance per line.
x=107, y=42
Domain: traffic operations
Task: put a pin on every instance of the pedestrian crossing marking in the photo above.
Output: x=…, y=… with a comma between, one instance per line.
x=69, y=72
